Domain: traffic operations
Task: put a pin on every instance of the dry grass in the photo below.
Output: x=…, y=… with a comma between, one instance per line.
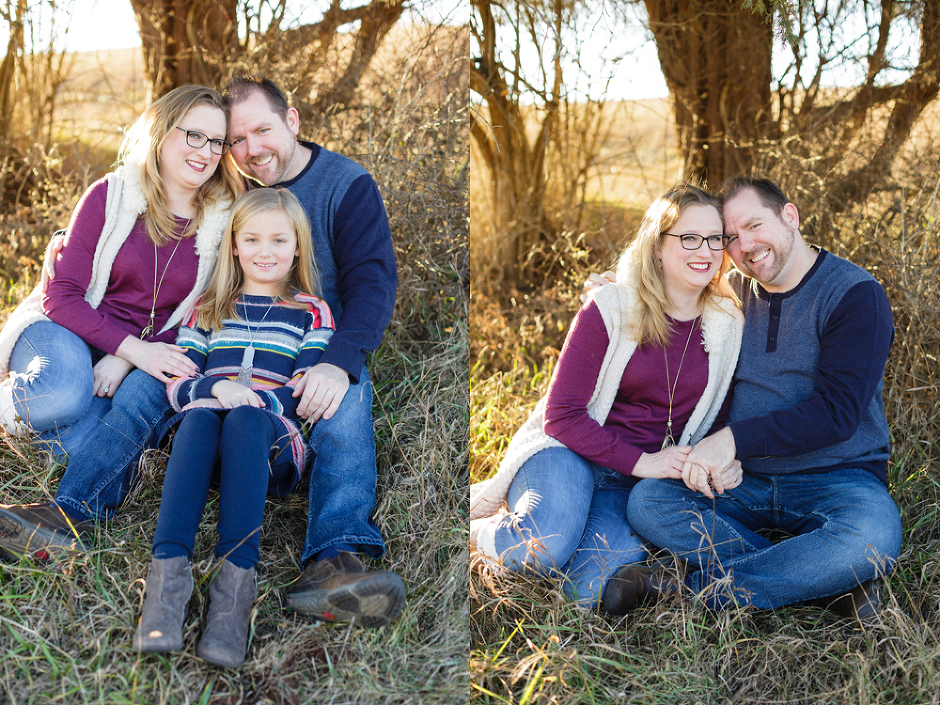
x=65, y=637
x=529, y=645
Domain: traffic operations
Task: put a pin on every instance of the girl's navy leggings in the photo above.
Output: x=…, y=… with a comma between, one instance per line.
x=232, y=449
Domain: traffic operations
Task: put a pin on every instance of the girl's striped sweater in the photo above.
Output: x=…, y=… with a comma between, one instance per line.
x=287, y=340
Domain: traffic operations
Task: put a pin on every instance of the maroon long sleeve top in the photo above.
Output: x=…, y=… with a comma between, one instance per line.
x=637, y=421
x=125, y=309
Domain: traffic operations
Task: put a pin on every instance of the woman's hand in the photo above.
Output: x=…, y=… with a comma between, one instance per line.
x=665, y=463
x=160, y=360
x=231, y=394
x=109, y=372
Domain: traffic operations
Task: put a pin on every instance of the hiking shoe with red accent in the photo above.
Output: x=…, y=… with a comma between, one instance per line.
x=42, y=532
x=339, y=589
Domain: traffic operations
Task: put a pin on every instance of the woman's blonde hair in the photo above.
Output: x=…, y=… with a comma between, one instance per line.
x=228, y=279
x=142, y=145
x=639, y=266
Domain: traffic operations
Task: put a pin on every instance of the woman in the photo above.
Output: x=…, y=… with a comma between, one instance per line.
x=140, y=246
x=644, y=373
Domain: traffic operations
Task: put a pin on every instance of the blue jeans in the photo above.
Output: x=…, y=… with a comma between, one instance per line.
x=567, y=520
x=343, y=477
x=843, y=529
x=233, y=448
x=103, y=438
x=53, y=383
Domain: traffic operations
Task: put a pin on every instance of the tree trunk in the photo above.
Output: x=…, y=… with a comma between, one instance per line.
x=717, y=63
x=196, y=41
x=189, y=41
x=516, y=164
x=8, y=71
x=375, y=21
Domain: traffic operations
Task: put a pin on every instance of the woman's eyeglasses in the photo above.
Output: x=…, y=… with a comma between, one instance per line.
x=691, y=241
x=197, y=140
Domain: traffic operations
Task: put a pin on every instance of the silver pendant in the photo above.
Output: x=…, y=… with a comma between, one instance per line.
x=668, y=441
x=244, y=375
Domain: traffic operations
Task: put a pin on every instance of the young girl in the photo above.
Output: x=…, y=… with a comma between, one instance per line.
x=251, y=335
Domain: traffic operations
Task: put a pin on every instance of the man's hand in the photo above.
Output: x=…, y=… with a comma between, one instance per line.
x=710, y=465
x=665, y=463
x=109, y=372
x=48, y=262
x=160, y=360
x=231, y=394
x=321, y=390
x=595, y=281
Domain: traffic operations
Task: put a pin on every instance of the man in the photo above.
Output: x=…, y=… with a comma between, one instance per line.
x=806, y=422
x=354, y=254
x=353, y=249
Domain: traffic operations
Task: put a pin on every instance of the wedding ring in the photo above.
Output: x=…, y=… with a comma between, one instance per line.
x=106, y=389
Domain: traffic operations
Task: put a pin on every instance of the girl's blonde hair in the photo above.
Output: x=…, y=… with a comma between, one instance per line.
x=639, y=266
x=142, y=145
x=218, y=301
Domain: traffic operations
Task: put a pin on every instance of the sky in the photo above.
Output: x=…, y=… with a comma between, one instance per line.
x=635, y=75
x=612, y=54
x=621, y=53
x=109, y=24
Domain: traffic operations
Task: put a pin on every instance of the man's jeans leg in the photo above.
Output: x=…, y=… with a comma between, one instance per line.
x=844, y=529
x=102, y=471
x=343, y=477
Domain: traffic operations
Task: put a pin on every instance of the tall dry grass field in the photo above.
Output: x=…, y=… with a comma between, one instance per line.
x=530, y=646
x=635, y=161
x=65, y=636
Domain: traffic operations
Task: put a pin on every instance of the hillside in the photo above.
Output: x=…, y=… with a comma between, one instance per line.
x=105, y=92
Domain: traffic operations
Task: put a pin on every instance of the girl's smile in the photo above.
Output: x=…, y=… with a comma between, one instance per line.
x=265, y=246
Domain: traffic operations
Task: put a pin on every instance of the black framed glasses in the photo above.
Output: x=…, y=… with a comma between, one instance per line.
x=691, y=241
x=197, y=140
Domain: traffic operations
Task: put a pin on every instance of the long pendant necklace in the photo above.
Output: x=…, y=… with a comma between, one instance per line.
x=248, y=357
x=148, y=331
x=669, y=441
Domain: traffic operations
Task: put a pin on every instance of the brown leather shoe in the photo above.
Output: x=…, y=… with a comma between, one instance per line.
x=42, y=531
x=339, y=589
x=863, y=602
x=632, y=585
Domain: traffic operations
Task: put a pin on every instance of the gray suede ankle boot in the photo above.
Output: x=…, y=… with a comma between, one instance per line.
x=230, y=598
x=169, y=585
